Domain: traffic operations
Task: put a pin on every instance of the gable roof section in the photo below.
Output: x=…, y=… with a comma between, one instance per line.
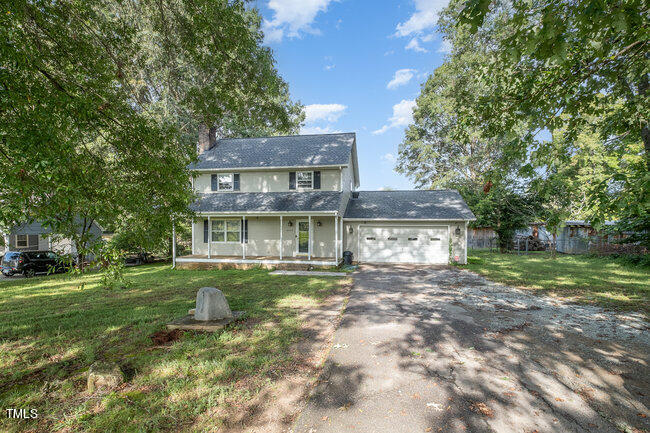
x=252, y=202
x=418, y=204
x=284, y=151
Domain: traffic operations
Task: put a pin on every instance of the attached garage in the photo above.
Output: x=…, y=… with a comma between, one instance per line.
x=418, y=227
x=400, y=244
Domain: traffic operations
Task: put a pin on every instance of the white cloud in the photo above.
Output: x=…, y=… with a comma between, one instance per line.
x=329, y=67
x=389, y=53
x=292, y=17
x=414, y=45
x=318, y=130
x=401, y=77
x=324, y=112
x=423, y=19
x=402, y=116
x=388, y=157
x=445, y=47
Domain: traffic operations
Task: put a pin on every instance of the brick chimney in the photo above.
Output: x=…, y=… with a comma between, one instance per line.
x=204, y=139
x=207, y=138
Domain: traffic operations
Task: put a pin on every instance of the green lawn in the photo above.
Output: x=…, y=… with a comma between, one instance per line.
x=52, y=328
x=604, y=281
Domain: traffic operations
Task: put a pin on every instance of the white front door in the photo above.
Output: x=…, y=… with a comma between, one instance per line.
x=415, y=244
x=302, y=237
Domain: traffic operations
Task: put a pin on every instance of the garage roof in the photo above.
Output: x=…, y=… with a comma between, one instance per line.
x=316, y=201
x=418, y=204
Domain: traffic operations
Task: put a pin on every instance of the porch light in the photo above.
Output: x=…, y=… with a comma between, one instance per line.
x=457, y=231
x=350, y=229
x=290, y=224
x=318, y=223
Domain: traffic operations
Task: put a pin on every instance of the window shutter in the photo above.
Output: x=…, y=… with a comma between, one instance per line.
x=235, y=182
x=205, y=231
x=32, y=241
x=317, y=180
x=214, y=183
x=292, y=180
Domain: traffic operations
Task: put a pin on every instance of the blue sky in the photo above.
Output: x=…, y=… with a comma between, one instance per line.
x=357, y=66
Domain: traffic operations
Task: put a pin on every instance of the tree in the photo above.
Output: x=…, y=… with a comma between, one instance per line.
x=101, y=102
x=442, y=148
x=502, y=206
x=582, y=59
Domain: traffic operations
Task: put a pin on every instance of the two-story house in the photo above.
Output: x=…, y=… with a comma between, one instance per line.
x=293, y=200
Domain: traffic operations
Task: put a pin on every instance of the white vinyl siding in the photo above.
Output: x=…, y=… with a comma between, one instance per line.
x=274, y=181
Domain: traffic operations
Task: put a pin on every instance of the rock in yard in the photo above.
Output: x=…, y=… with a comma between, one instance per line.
x=211, y=304
x=104, y=375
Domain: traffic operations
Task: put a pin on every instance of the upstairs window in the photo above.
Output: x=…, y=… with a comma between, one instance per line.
x=21, y=241
x=225, y=182
x=305, y=179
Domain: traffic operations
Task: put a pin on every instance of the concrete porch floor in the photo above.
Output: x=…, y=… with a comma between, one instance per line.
x=195, y=261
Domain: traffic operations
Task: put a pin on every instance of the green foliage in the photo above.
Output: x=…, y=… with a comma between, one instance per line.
x=583, y=59
x=110, y=261
x=105, y=101
x=504, y=207
x=578, y=69
x=443, y=147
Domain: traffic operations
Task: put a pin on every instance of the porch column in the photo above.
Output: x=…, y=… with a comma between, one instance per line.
x=192, y=235
x=243, y=240
x=336, y=239
x=209, y=238
x=341, y=245
x=310, y=236
x=173, y=243
x=280, y=237
x=465, y=254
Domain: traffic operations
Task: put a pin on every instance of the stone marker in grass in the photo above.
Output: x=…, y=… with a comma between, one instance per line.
x=104, y=375
x=212, y=312
x=211, y=304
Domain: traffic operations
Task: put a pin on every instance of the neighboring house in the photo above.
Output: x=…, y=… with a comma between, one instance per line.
x=36, y=237
x=579, y=236
x=292, y=199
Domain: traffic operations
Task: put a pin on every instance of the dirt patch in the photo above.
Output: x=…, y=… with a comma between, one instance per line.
x=161, y=338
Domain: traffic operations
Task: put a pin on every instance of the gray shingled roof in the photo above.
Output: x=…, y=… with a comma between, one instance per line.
x=418, y=204
x=287, y=151
x=317, y=201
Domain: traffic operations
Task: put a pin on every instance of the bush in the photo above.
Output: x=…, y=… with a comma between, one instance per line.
x=642, y=260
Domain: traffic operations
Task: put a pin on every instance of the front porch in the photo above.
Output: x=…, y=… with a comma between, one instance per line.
x=196, y=261
x=287, y=241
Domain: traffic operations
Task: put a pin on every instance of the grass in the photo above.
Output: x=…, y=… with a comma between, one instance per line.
x=586, y=279
x=53, y=328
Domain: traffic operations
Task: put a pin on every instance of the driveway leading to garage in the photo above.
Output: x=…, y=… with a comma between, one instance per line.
x=429, y=350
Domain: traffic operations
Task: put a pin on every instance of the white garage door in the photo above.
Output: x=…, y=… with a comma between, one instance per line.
x=420, y=244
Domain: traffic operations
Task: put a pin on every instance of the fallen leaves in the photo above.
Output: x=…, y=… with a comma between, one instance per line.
x=482, y=408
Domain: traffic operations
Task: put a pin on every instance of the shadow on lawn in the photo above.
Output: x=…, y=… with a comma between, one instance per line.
x=512, y=376
x=56, y=335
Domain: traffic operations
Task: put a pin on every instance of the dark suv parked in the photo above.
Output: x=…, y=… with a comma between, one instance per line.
x=29, y=263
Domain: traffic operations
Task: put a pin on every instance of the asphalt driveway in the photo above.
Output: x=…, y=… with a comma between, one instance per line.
x=444, y=350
